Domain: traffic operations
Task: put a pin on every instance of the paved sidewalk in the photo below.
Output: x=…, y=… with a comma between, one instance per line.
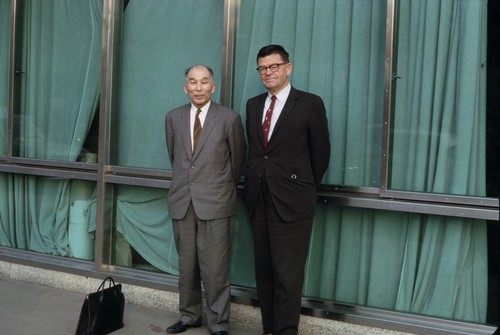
x=40, y=301
x=27, y=308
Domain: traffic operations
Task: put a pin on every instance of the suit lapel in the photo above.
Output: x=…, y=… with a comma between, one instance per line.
x=259, y=115
x=287, y=108
x=186, y=129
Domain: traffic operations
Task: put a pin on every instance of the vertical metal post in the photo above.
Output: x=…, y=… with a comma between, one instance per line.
x=111, y=46
x=388, y=80
x=12, y=74
x=227, y=75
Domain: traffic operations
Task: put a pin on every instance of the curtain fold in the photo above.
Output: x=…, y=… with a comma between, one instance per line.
x=160, y=40
x=390, y=260
x=439, y=147
x=440, y=100
x=61, y=77
x=59, y=95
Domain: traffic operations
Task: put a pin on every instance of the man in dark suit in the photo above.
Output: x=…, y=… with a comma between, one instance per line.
x=288, y=153
x=206, y=147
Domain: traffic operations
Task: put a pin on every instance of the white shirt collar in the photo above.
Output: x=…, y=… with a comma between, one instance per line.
x=283, y=94
x=204, y=109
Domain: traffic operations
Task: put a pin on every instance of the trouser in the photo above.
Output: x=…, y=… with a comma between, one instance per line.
x=204, y=248
x=280, y=254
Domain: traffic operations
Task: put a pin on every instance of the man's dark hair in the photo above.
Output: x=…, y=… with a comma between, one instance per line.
x=273, y=49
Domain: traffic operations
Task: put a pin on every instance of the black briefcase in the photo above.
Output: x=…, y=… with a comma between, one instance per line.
x=102, y=311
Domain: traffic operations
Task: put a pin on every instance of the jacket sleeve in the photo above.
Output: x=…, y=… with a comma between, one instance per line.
x=169, y=136
x=319, y=141
x=237, y=146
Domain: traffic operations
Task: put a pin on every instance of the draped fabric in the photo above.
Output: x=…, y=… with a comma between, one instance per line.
x=337, y=52
x=59, y=80
x=439, y=147
x=152, y=79
x=161, y=39
x=440, y=98
x=398, y=261
x=60, y=77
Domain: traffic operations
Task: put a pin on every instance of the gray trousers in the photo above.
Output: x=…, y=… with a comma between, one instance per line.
x=204, y=248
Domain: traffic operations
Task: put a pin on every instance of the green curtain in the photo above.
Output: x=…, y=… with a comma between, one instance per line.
x=398, y=261
x=5, y=23
x=160, y=40
x=337, y=51
x=439, y=147
x=61, y=77
x=60, y=87
x=439, y=114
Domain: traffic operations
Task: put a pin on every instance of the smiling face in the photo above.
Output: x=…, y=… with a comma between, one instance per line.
x=274, y=81
x=199, y=86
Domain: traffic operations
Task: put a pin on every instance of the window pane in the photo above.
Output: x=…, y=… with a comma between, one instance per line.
x=411, y=263
x=439, y=124
x=58, y=64
x=5, y=15
x=143, y=236
x=337, y=51
x=160, y=40
x=47, y=215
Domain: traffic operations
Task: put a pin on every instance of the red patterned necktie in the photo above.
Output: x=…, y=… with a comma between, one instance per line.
x=196, y=129
x=267, y=121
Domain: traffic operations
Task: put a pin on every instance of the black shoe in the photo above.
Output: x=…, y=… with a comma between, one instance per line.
x=222, y=332
x=179, y=327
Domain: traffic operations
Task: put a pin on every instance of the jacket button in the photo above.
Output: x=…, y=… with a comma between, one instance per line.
x=293, y=176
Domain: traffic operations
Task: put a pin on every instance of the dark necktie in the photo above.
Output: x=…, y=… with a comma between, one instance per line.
x=267, y=121
x=196, y=129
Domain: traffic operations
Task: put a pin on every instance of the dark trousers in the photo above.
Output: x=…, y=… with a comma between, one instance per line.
x=280, y=254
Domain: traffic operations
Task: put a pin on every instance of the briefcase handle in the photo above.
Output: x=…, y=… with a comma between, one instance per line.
x=111, y=281
x=102, y=286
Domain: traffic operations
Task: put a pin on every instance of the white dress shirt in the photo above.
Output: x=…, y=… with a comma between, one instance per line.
x=278, y=107
x=203, y=115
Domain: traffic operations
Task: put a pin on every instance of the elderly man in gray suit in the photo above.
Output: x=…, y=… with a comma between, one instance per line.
x=206, y=148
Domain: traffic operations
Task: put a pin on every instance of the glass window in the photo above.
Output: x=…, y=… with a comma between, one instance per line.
x=439, y=122
x=337, y=51
x=143, y=236
x=411, y=263
x=5, y=28
x=47, y=215
x=58, y=52
x=160, y=40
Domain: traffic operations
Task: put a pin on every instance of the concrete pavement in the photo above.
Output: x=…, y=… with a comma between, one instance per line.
x=41, y=301
x=28, y=308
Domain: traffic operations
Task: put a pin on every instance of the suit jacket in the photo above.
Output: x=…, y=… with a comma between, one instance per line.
x=207, y=177
x=295, y=158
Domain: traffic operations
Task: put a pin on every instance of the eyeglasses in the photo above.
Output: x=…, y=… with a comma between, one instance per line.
x=272, y=67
